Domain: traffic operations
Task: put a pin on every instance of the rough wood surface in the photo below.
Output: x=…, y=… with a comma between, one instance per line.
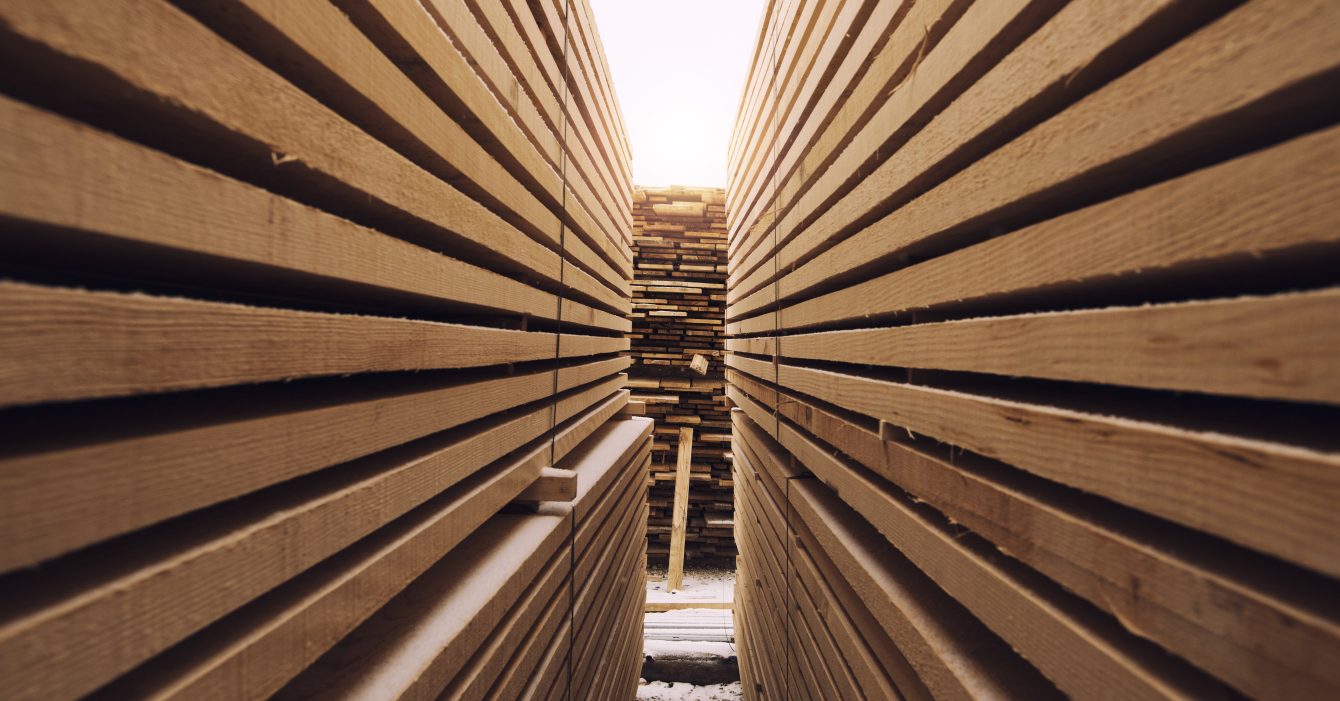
x=674, y=577
x=308, y=306
x=1029, y=319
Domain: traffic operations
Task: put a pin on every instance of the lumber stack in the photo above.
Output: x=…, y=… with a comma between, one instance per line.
x=312, y=379
x=679, y=281
x=1033, y=312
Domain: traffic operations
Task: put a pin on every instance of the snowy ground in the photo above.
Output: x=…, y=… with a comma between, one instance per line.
x=679, y=691
x=690, y=636
x=686, y=649
x=698, y=585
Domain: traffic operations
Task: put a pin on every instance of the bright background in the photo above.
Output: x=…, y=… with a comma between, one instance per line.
x=678, y=68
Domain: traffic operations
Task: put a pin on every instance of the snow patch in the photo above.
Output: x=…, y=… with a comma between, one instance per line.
x=699, y=585
x=679, y=691
x=687, y=649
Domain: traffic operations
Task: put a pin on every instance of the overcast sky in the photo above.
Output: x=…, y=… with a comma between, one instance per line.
x=678, y=68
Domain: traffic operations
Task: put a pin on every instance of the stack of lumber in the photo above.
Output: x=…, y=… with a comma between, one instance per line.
x=679, y=300
x=1033, y=312
x=312, y=380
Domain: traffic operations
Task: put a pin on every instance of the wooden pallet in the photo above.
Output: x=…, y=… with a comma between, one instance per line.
x=1032, y=310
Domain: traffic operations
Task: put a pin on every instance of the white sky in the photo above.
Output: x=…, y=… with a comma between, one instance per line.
x=678, y=68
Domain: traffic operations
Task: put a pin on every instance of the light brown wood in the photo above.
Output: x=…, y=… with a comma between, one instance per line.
x=104, y=193
x=277, y=637
x=76, y=344
x=48, y=491
x=1080, y=652
x=1276, y=347
x=543, y=601
x=1197, y=607
x=982, y=26
x=1125, y=116
x=442, y=65
x=675, y=573
x=553, y=485
x=341, y=509
x=1207, y=216
x=424, y=637
x=386, y=271
x=1204, y=480
x=198, y=70
x=680, y=261
x=517, y=667
x=934, y=651
x=658, y=606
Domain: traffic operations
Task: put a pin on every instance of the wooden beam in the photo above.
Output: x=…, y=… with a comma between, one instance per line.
x=1269, y=347
x=268, y=437
x=1207, y=481
x=1199, y=219
x=660, y=606
x=553, y=485
x=675, y=574
x=78, y=344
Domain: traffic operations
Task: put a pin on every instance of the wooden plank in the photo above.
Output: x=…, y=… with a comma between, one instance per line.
x=1082, y=653
x=859, y=36
x=420, y=640
x=855, y=632
x=660, y=606
x=595, y=472
x=678, y=325
x=1273, y=347
x=551, y=674
x=933, y=631
x=521, y=666
x=278, y=636
x=76, y=344
x=178, y=577
x=943, y=71
x=103, y=195
x=675, y=575
x=1199, y=607
x=1272, y=497
x=253, y=439
x=444, y=75
x=503, y=27
x=525, y=96
x=617, y=546
x=265, y=118
x=1142, y=122
x=318, y=48
x=1209, y=216
x=620, y=602
x=552, y=485
x=535, y=617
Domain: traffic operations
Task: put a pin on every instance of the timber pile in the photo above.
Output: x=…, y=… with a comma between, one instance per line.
x=1034, y=312
x=679, y=281
x=312, y=380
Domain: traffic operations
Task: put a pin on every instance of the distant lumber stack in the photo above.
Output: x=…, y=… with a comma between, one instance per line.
x=1034, y=310
x=312, y=377
x=679, y=259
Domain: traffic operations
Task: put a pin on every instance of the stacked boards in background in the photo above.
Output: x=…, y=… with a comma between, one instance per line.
x=1034, y=313
x=297, y=299
x=679, y=301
